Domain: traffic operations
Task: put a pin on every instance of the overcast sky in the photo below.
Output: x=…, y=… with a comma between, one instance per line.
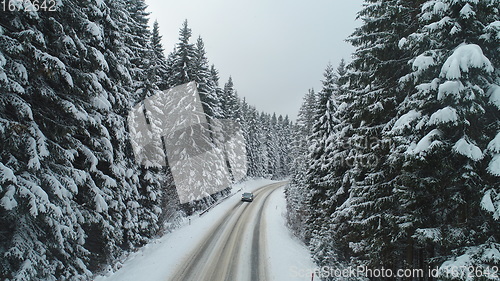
x=275, y=50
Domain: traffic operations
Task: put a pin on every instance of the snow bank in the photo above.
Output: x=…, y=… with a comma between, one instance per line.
x=289, y=259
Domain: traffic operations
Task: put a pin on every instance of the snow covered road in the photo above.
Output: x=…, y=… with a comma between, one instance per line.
x=235, y=249
x=235, y=241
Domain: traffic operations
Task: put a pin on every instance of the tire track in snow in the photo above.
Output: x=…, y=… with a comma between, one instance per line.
x=258, y=265
x=222, y=254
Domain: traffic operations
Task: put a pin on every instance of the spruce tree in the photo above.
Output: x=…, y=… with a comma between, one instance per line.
x=206, y=84
x=230, y=102
x=367, y=217
x=449, y=124
x=283, y=135
x=417, y=129
x=254, y=140
x=217, y=92
x=187, y=63
x=319, y=184
x=271, y=141
x=296, y=191
x=70, y=196
x=182, y=62
x=158, y=62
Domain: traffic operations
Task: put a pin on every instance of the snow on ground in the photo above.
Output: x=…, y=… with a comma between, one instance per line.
x=160, y=258
x=289, y=259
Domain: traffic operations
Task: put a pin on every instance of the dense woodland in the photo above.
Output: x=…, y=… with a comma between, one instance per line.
x=397, y=156
x=394, y=162
x=73, y=200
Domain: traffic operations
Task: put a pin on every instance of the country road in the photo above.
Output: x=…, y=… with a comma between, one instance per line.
x=237, y=241
x=235, y=248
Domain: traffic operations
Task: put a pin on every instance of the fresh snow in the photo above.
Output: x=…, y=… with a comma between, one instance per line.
x=492, y=254
x=8, y=202
x=433, y=234
x=468, y=150
x=159, y=259
x=444, y=115
x=101, y=102
x=464, y=57
x=90, y=157
x=438, y=8
x=3, y=77
x=41, y=141
x=487, y=203
x=494, y=166
x=402, y=42
x=6, y=174
x=100, y=203
x=460, y=264
x=20, y=71
x=71, y=108
x=467, y=11
x=425, y=143
x=492, y=29
x=99, y=3
x=467, y=263
x=422, y=62
x=95, y=30
x=289, y=259
x=494, y=93
x=405, y=120
x=441, y=24
x=427, y=87
x=450, y=88
x=494, y=145
x=34, y=161
x=54, y=64
x=100, y=59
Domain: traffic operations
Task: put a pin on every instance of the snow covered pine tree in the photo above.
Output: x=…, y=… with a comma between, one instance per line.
x=420, y=98
x=71, y=195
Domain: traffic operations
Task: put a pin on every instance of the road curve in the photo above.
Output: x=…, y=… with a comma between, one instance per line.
x=235, y=248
